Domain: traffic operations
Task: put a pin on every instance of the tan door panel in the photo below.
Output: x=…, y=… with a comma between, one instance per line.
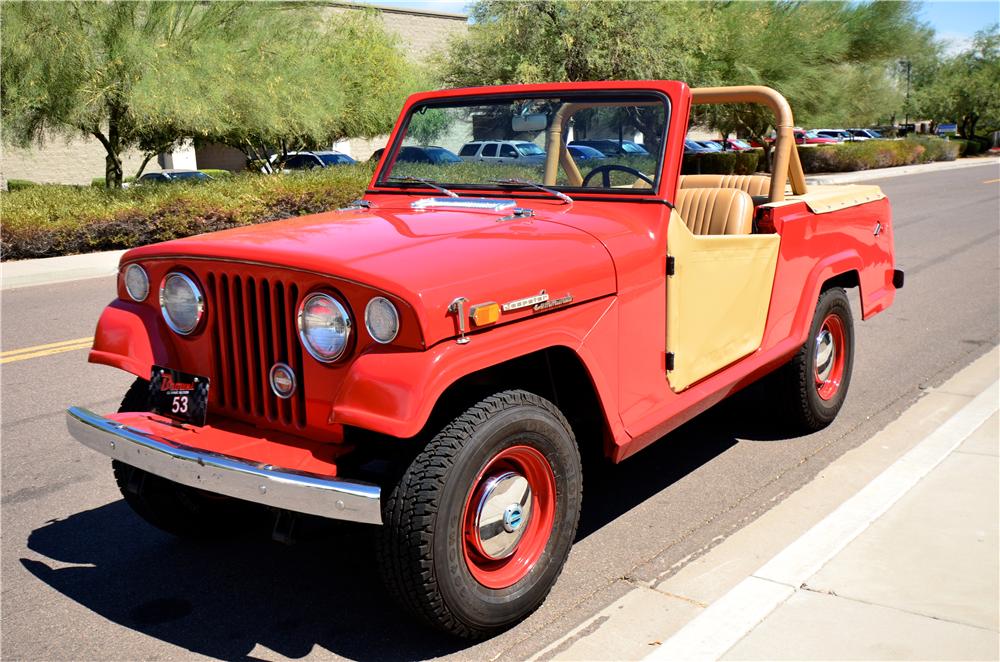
x=717, y=299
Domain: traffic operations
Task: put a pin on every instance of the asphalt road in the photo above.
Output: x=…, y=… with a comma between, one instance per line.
x=84, y=578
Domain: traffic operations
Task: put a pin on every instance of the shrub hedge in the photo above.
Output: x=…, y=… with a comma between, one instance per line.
x=869, y=154
x=721, y=163
x=50, y=220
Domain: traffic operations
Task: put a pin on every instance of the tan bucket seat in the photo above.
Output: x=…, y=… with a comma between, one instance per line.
x=754, y=185
x=715, y=210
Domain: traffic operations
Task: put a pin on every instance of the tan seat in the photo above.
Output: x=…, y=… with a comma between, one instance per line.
x=715, y=210
x=753, y=185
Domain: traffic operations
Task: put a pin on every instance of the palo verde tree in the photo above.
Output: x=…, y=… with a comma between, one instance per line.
x=147, y=74
x=807, y=51
x=82, y=67
x=965, y=87
x=329, y=77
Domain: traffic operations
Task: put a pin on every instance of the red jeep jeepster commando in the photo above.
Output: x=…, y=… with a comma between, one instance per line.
x=434, y=358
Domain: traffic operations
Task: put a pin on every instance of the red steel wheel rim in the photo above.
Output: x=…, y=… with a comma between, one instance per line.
x=830, y=372
x=519, y=461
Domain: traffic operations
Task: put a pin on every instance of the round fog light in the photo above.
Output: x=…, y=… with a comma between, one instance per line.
x=136, y=282
x=282, y=379
x=381, y=320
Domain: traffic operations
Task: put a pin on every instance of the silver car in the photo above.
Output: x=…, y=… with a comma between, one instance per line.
x=503, y=151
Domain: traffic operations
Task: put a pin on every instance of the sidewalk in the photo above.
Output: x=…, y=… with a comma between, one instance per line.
x=890, y=553
x=919, y=580
x=919, y=583
x=899, y=171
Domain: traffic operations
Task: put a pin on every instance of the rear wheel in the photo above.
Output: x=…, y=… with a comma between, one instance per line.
x=816, y=380
x=177, y=509
x=478, y=528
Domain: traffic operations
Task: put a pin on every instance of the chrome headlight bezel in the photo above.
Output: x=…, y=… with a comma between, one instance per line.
x=300, y=323
x=199, y=299
x=136, y=269
x=381, y=301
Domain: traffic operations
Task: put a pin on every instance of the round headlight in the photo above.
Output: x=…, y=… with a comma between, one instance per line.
x=136, y=282
x=181, y=303
x=381, y=320
x=324, y=327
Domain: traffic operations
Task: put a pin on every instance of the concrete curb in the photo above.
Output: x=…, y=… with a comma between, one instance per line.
x=886, y=173
x=51, y=270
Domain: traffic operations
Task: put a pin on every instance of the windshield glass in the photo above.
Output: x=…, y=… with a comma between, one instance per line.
x=540, y=128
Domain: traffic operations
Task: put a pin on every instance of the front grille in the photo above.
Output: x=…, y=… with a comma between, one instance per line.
x=253, y=328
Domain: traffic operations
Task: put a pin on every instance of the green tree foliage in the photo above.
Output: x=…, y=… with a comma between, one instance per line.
x=428, y=125
x=149, y=74
x=815, y=53
x=963, y=88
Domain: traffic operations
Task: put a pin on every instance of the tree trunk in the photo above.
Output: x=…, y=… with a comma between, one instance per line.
x=113, y=162
x=973, y=120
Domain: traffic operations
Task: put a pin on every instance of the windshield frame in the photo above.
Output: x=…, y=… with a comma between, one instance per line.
x=625, y=94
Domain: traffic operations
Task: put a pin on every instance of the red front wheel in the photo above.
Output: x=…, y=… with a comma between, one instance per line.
x=478, y=528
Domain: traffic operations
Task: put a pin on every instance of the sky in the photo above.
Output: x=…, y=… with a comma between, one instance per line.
x=955, y=22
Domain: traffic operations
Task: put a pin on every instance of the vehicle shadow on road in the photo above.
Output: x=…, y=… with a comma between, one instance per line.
x=612, y=490
x=225, y=598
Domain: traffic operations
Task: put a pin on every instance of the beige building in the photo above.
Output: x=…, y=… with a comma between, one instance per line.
x=81, y=159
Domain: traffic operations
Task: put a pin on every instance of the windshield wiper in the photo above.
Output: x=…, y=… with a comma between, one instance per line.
x=523, y=182
x=425, y=182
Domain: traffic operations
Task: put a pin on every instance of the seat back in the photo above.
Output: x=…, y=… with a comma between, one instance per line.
x=753, y=185
x=715, y=210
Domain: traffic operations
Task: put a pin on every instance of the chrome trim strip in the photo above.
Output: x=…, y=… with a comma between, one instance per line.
x=335, y=498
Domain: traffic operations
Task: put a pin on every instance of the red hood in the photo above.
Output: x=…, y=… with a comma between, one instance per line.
x=427, y=257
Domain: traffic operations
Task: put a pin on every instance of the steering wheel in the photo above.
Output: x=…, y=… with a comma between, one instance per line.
x=605, y=172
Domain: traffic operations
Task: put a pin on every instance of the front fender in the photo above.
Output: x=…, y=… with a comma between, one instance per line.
x=127, y=338
x=394, y=393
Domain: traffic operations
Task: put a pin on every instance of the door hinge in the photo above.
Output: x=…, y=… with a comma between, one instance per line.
x=670, y=361
x=671, y=265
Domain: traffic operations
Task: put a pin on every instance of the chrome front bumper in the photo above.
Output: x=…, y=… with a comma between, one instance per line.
x=334, y=498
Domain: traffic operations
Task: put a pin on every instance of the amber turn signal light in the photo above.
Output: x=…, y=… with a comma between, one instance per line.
x=484, y=313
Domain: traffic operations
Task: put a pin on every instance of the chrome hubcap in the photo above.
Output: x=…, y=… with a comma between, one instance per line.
x=502, y=515
x=825, y=351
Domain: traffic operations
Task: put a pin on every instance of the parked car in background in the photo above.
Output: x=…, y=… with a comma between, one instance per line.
x=738, y=145
x=310, y=160
x=694, y=147
x=840, y=135
x=812, y=138
x=431, y=154
x=503, y=151
x=614, y=148
x=864, y=134
x=169, y=176
x=584, y=153
x=711, y=145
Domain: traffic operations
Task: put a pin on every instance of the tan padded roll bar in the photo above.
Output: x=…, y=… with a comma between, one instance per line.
x=785, y=164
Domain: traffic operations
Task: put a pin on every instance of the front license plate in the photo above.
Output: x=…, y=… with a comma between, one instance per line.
x=178, y=395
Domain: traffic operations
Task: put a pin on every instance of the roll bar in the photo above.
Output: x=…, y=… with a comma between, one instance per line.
x=785, y=165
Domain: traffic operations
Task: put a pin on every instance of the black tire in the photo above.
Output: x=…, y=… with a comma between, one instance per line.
x=179, y=510
x=811, y=405
x=423, y=545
